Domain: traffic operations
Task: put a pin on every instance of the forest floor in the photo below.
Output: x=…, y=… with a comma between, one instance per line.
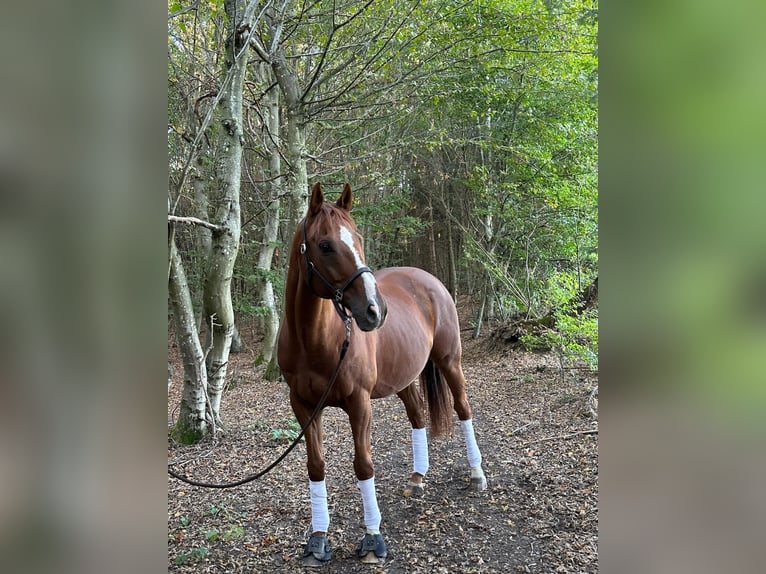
x=537, y=430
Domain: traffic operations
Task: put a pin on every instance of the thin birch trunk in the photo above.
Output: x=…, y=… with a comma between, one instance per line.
x=225, y=245
x=271, y=227
x=204, y=234
x=452, y=278
x=479, y=317
x=191, y=425
x=297, y=177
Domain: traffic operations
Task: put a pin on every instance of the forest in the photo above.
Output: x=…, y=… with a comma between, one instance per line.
x=468, y=131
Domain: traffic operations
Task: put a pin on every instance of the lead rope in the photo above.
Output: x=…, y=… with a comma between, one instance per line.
x=317, y=410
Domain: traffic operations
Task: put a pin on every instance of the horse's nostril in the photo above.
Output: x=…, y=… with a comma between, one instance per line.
x=373, y=312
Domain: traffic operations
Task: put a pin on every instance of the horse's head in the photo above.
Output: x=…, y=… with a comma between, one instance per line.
x=334, y=257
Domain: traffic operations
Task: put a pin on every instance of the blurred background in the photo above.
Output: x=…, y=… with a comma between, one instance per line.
x=683, y=328
x=83, y=175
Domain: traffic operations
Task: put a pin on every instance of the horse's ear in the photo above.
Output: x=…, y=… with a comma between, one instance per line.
x=344, y=201
x=317, y=199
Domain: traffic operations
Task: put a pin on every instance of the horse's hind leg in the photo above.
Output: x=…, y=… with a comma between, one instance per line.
x=413, y=404
x=452, y=370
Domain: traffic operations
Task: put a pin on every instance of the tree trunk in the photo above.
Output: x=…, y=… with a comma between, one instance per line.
x=225, y=244
x=205, y=242
x=297, y=176
x=191, y=425
x=204, y=234
x=236, y=340
x=271, y=227
x=297, y=185
x=489, y=291
x=431, y=238
x=479, y=317
x=452, y=277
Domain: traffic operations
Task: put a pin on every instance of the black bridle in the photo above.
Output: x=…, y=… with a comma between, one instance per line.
x=336, y=294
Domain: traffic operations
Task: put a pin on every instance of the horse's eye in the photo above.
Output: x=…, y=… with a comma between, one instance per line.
x=325, y=247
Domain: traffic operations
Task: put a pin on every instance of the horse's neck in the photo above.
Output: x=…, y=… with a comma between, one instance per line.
x=312, y=320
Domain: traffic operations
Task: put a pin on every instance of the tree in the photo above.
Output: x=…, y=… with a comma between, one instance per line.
x=226, y=135
x=192, y=422
x=272, y=144
x=217, y=303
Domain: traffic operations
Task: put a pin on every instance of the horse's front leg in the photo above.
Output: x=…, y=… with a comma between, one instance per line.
x=372, y=548
x=317, y=550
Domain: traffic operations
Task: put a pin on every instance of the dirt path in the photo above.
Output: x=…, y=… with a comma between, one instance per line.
x=538, y=438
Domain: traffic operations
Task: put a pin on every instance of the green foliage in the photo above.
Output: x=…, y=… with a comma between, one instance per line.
x=233, y=533
x=288, y=434
x=215, y=534
x=213, y=510
x=521, y=114
x=194, y=554
x=258, y=276
x=212, y=534
x=243, y=298
x=388, y=224
x=244, y=307
x=575, y=336
x=480, y=117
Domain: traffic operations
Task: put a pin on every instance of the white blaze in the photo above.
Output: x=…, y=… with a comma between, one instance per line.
x=367, y=278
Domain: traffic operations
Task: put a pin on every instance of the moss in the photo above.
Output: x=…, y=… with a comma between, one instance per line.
x=186, y=434
x=272, y=372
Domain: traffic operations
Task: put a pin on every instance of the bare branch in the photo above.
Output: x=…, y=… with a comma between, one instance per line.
x=247, y=20
x=256, y=45
x=189, y=8
x=326, y=48
x=194, y=221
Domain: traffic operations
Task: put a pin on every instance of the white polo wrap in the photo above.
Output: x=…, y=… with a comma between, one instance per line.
x=474, y=456
x=370, y=502
x=419, y=451
x=320, y=516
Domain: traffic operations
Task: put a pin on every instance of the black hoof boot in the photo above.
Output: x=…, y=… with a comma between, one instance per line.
x=317, y=552
x=372, y=549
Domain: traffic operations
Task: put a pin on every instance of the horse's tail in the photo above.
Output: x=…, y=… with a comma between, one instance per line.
x=438, y=396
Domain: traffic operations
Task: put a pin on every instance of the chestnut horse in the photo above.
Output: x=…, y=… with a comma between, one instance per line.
x=406, y=328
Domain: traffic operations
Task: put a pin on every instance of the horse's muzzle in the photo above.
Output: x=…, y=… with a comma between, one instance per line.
x=373, y=316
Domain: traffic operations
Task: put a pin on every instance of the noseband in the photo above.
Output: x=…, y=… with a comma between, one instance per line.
x=337, y=293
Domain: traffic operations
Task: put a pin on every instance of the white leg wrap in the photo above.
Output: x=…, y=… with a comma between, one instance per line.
x=370, y=503
x=474, y=456
x=419, y=451
x=320, y=516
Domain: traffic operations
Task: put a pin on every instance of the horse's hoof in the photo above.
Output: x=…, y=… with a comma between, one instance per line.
x=311, y=562
x=317, y=552
x=416, y=490
x=372, y=549
x=479, y=483
x=371, y=558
